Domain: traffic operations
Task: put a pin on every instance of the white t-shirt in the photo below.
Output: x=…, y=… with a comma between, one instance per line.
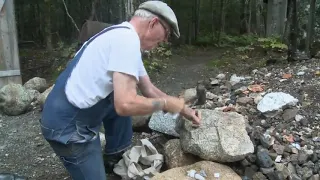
x=117, y=50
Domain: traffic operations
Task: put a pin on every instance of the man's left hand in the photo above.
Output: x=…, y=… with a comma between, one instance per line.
x=192, y=115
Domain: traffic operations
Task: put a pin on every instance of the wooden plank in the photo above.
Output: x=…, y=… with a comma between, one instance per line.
x=9, y=55
x=10, y=73
x=1, y=4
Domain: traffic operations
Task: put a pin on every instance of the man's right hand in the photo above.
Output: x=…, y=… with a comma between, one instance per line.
x=173, y=104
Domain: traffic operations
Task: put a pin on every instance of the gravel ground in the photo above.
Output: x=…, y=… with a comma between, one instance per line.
x=23, y=150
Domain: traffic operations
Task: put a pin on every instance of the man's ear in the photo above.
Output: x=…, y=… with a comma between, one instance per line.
x=152, y=22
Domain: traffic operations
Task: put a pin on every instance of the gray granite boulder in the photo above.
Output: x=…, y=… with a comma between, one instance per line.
x=43, y=96
x=36, y=83
x=15, y=99
x=164, y=123
x=222, y=136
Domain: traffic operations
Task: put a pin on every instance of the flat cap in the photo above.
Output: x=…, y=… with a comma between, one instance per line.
x=162, y=10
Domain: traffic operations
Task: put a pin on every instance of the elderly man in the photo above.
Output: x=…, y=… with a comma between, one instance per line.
x=99, y=85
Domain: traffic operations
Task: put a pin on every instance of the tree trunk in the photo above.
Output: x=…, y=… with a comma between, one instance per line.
x=129, y=9
x=286, y=33
x=93, y=10
x=310, y=29
x=220, y=21
x=249, y=18
x=47, y=25
x=196, y=17
x=212, y=19
x=243, y=17
x=258, y=7
x=293, y=33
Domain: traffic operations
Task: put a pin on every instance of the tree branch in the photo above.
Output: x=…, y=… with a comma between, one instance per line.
x=65, y=6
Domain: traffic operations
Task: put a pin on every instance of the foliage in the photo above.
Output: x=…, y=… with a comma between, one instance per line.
x=245, y=43
x=163, y=51
x=272, y=43
x=154, y=60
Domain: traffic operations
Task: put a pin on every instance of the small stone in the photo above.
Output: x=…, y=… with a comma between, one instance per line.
x=249, y=172
x=294, y=159
x=308, y=164
x=289, y=114
x=316, y=168
x=300, y=73
x=245, y=162
x=291, y=168
x=211, y=96
x=275, y=175
x=304, y=122
x=278, y=159
x=268, y=75
x=298, y=117
x=221, y=76
x=296, y=145
x=302, y=158
x=294, y=151
x=306, y=173
x=287, y=149
x=259, y=176
x=315, y=177
x=266, y=140
x=314, y=157
x=267, y=170
x=283, y=169
x=273, y=155
x=244, y=100
x=263, y=159
x=214, y=81
x=278, y=148
x=252, y=158
x=294, y=177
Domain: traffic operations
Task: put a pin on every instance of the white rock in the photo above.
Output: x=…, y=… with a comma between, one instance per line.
x=303, y=68
x=211, y=96
x=268, y=75
x=300, y=73
x=255, y=71
x=214, y=81
x=221, y=76
x=278, y=159
x=236, y=79
x=275, y=101
x=298, y=117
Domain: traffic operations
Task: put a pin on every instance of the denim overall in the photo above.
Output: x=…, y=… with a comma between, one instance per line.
x=73, y=133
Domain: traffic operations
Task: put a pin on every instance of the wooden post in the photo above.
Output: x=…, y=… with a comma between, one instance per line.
x=9, y=54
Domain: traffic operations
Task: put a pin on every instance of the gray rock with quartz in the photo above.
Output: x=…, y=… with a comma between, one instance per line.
x=164, y=123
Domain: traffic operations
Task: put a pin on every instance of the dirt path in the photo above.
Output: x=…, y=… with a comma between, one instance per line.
x=185, y=70
x=24, y=151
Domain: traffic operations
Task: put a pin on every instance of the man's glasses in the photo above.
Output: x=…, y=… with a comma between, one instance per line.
x=167, y=31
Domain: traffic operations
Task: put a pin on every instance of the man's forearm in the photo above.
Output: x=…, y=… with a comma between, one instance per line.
x=157, y=93
x=153, y=92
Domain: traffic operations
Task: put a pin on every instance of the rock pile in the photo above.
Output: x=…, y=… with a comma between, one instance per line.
x=17, y=99
x=263, y=126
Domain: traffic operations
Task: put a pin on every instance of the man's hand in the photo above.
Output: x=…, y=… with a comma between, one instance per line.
x=192, y=115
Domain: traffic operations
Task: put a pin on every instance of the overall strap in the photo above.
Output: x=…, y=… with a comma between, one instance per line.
x=98, y=34
x=72, y=64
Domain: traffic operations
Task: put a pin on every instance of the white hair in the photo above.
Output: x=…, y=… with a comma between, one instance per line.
x=144, y=14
